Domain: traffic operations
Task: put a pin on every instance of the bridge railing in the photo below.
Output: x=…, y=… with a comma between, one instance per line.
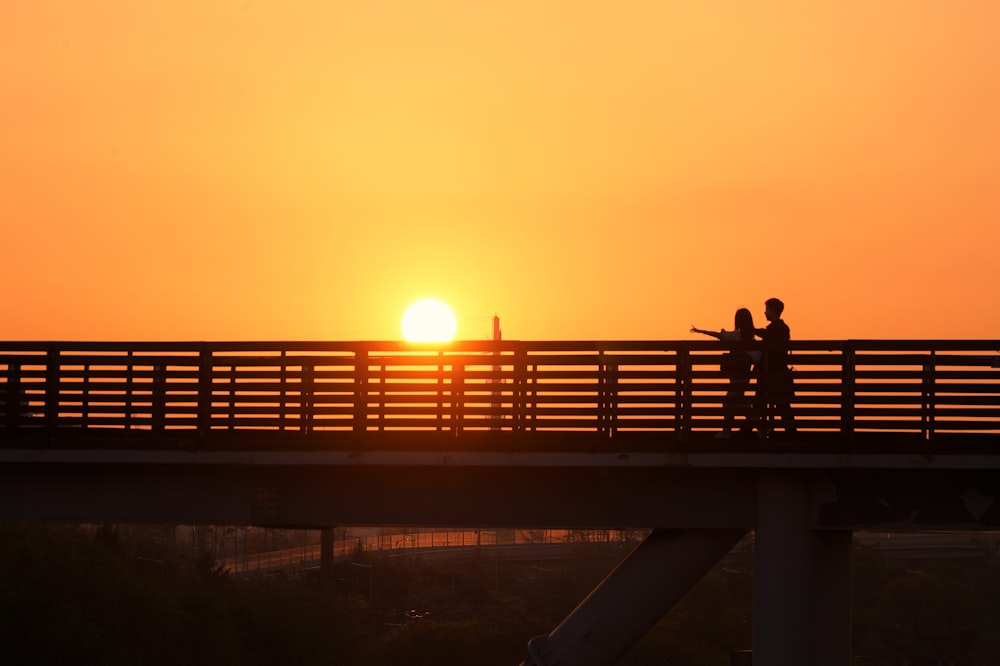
x=605, y=387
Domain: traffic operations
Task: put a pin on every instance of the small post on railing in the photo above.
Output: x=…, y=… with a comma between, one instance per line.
x=283, y=393
x=204, y=392
x=457, y=398
x=602, y=404
x=520, y=372
x=306, y=399
x=440, y=393
x=129, y=388
x=847, y=392
x=495, y=414
x=607, y=395
x=496, y=417
x=683, y=392
x=927, y=409
x=380, y=413
x=14, y=398
x=231, y=413
x=361, y=390
x=51, y=388
x=159, y=396
x=85, y=396
x=612, y=393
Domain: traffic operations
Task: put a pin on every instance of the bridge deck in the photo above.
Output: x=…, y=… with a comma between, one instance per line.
x=490, y=433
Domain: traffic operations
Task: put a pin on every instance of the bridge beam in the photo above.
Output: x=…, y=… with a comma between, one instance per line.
x=632, y=598
x=802, y=587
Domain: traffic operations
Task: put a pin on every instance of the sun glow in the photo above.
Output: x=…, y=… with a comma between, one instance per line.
x=429, y=320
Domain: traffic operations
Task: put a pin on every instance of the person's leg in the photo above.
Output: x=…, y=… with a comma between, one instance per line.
x=784, y=410
x=757, y=419
x=727, y=413
x=784, y=406
x=731, y=403
x=742, y=405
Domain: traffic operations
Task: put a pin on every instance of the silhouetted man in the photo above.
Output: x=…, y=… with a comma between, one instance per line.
x=774, y=378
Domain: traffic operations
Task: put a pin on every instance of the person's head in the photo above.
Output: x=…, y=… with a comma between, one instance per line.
x=744, y=323
x=773, y=308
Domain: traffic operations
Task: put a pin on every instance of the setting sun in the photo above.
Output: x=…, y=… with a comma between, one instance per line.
x=429, y=320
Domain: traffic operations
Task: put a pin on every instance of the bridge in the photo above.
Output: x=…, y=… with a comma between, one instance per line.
x=890, y=435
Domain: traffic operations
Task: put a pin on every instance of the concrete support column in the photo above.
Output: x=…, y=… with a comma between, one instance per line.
x=802, y=587
x=632, y=598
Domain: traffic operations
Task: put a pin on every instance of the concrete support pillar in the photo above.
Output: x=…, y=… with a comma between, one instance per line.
x=802, y=587
x=632, y=598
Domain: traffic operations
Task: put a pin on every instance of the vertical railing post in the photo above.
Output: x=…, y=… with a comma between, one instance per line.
x=683, y=392
x=519, y=390
x=440, y=393
x=85, y=397
x=129, y=388
x=530, y=395
x=847, y=397
x=382, y=379
x=51, y=388
x=15, y=396
x=458, y=397
x=159, y=396
x=602, y=398
x=607, y=395
x=306, y=402
x=204, y=392
x=496, y=403
x=231, y=419
x=611, y=392
x=361, y=390
x=928, y=407
x=283, y=392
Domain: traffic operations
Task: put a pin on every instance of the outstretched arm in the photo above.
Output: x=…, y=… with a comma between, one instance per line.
x=714, y=334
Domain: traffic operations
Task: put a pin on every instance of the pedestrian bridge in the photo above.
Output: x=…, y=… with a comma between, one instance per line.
x=891, y=435
x=526, y=433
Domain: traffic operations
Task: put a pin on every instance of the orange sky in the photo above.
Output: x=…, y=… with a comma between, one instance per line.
x=212, y=170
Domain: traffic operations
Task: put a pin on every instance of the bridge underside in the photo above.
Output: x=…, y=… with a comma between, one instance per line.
x=803, y=508
x=315, y=489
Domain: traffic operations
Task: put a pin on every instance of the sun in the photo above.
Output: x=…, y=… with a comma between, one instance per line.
x=429, y=320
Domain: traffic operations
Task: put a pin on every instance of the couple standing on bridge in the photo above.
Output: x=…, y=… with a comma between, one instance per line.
x=769, y=365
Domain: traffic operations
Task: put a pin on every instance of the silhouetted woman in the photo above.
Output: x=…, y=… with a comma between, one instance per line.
x=737, y=364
